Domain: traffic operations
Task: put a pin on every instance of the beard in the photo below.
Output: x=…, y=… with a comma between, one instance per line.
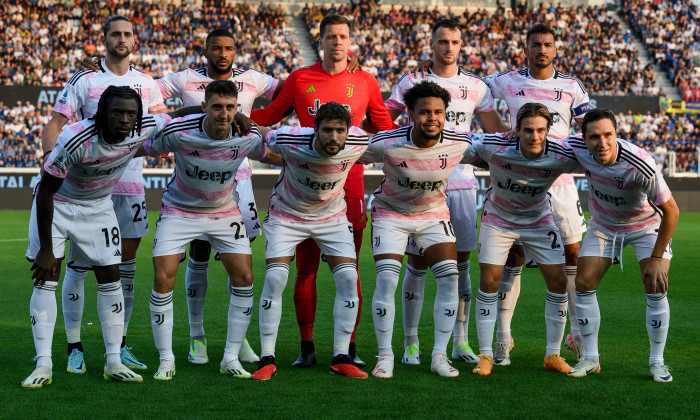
x=219, y=71
x=118, y=54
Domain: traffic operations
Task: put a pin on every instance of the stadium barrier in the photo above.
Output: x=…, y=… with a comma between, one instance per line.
x=17, y=184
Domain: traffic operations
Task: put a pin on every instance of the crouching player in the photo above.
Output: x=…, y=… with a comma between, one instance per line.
x=517, y=208
x=630, y=205
x=308, y=202
x=90, y=156
x=418, y=161
x=199, y=201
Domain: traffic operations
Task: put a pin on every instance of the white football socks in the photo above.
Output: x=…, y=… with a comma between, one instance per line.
x=446, y=303
x=127, y=272
x=383, y=307
x=72, y=301
x=588, y=314
x=658, y=317
x=508, y=293
x=162, y=323
x=345, y=306
x=196, y=282
x=412, y=292
x=110, y=307
x=42, y=312
x=239, y=310
x=555, y=321
x=485, y=314
x=276, y=275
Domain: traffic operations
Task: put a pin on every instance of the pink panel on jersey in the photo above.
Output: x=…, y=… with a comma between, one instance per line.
x=244, y=173
x=535, y=94
x=564, y=179
x=461, y=184
x=128, y=188
x=422, y=164
x=92, y=186
x=203, y=195
x=318, y=169
x=211, y=154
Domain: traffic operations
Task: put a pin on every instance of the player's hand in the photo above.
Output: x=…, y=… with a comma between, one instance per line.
x=44, y=267
x=422, y=67
x=242, y=124
x=655, y=274
x=511, y=135
x=90, y=63
x=353, y=64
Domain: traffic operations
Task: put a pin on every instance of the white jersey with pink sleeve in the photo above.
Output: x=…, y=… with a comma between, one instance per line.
x=518, y=196
x=92, y=167
x=310, y=186
x=189, y=86
x=204, y=168
x=623, y=196
x=415, y=179
x=564, y=96
x=469, y=95
x=82, y=93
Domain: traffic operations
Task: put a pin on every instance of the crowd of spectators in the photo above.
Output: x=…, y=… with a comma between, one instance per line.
x=671, y=33
x=592, y=46
x=43, y=40
x=662, y=133
x=21, y=127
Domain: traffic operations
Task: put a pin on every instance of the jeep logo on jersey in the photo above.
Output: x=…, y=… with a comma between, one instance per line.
x=421, y=185
x=314, y=185
x=456, y=117
x=522, y=189
x=102, y=171
x=617, y=201
x=318, y=103
x=215, y=176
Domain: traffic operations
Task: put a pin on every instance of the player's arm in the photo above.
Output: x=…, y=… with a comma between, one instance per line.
x=45, y=264
x=272, y=158
x=579, y=121
x=278, y=108
x=655, y=269
x=52, y=130
x=188, y=110
x=492, y=122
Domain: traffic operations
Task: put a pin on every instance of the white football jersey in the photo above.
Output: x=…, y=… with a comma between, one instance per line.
x=564, y=96
x=189, y=86
x=469, y=95
x=82, y=94
x=90, y=166
x=415, y=179
x=518, y=196
x=205, y=169
x=623, y=196
x=310, y=186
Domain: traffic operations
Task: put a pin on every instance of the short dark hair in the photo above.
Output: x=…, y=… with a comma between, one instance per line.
x=445, y=23
x=539, y=28
x=332, y=111
x=222, y=88
x=333, y=20
x=597, y=114
x=124, y=92
x=218, y=32
x=533, y=109
x=110, y=20
x=425, y=89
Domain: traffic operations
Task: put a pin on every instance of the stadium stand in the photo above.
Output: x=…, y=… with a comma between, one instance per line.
x=671, y=33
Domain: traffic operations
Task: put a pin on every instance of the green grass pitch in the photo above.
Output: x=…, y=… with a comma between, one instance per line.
x=624, y=388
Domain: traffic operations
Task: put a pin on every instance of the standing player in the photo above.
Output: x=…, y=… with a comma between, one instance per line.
x=418, y=161
x=469, y=96
x=516, y=208
x=90, y=156
x=307, y=203
x=199, y=201
x=630, y=205
x=304, y=91
x=189, y=85
x=81, y=95
x=566, y=98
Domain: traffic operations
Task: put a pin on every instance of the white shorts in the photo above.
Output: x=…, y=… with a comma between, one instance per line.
x=462, y=205
x=603, y=242
x=246, y=203
x=567, y=213
x=334, y=237
x=93, y=231
x=227, y=235
x=542, y=244
x=391, y=236
x=132, y=216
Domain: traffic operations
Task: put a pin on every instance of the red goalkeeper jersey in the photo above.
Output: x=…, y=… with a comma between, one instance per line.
x=306, y=89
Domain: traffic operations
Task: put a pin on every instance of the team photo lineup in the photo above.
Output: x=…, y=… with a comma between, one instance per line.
x=439, y=123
